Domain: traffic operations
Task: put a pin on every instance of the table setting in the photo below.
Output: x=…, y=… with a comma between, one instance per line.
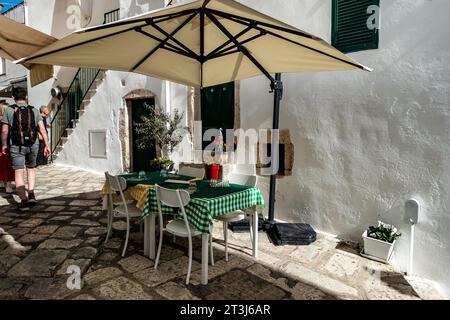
x=209, y=199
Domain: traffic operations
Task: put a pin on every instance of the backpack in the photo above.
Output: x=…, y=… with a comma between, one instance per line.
x=24, y=128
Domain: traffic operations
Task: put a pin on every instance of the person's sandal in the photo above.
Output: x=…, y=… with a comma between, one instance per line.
x=24, y=206
x=32, y=198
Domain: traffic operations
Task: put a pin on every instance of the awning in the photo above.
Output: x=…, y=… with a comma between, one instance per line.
x=6, y=92
x=18, y=41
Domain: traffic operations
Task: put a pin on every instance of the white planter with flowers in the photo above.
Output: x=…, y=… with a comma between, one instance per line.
x=379, y=241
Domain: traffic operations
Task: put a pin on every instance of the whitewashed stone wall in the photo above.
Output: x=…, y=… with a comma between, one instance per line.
x=366, y=142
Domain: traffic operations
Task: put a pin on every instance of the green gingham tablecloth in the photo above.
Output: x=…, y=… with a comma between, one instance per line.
x=208, y=203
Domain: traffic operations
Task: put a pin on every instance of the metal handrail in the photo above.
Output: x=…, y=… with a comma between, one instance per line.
x=65, y=96
x=111, y=16
x=67, y=112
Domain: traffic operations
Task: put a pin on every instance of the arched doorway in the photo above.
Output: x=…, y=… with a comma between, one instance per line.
x=137, y=103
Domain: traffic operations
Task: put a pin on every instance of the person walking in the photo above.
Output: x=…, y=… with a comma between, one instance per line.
x=6, y=169
x=21, y=124
x=42, y=160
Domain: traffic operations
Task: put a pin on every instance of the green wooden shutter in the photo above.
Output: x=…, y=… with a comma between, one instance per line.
x=217, y=108
x=350, y=32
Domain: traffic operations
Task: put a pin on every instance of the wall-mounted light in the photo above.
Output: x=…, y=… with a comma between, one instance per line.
x=56, y=92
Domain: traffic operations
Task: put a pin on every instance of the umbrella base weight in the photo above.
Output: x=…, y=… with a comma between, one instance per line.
x=244, y=225
x=291, y=234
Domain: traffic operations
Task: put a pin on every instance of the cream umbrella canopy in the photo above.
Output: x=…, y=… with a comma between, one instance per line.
x=201, y=43
x=18, y=41
x=198, y=43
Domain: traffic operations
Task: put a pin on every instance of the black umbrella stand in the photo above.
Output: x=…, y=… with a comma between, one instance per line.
x=278, y=233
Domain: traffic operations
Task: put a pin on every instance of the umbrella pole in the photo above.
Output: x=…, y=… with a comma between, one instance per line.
x=269, y=224
x=277, y=87
x=282, y=233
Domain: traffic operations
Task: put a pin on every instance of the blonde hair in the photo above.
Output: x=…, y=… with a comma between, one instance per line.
x=3, y=106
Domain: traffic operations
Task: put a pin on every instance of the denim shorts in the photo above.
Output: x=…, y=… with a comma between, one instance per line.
x=24, y=156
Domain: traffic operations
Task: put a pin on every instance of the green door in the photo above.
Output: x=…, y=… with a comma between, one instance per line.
x=218, y=108
x=141, y=157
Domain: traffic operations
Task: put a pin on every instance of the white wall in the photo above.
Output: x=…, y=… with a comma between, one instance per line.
x=129, y=8
x=59, y=18
x=366, y=142
x=103, y=114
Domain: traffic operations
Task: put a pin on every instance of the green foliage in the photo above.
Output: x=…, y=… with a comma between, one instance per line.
x=383, y=232
x=161, y=129
x=161, y=163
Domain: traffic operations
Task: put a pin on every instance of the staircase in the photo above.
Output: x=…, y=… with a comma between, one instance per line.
x=73, y=106
x=75, y=101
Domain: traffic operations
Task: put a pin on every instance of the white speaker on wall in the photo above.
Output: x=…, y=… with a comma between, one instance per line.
x=56, y=92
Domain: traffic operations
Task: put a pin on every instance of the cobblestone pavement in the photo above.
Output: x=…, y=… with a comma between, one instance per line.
x=67, y=228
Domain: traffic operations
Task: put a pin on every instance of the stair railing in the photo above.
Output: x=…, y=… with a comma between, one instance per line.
x=67, y=113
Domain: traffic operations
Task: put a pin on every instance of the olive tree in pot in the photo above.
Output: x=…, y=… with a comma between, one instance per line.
x=379, y=241
x=163, y=130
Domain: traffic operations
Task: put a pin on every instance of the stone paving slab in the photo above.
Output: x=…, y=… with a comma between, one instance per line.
x=67, y=229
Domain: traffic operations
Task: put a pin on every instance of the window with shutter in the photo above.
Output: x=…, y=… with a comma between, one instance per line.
x=355, y=25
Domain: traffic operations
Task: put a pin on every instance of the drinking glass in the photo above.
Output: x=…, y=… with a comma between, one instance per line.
x=141, y=174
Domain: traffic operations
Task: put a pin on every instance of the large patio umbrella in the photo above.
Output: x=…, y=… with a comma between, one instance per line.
x=201, y=43
x=18, y=41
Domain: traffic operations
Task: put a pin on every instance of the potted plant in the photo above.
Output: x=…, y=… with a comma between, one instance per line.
x=379, y=241
x=161, y=163
x=163, y=130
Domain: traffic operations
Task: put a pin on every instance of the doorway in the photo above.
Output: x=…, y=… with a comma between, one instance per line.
x=140, y=157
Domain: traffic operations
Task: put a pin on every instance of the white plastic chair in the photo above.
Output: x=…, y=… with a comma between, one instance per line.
x=178, y=227
x=192, y=172
x=125, y=209
x=242, y=179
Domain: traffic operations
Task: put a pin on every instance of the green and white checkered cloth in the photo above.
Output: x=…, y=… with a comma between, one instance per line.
x=201, y=211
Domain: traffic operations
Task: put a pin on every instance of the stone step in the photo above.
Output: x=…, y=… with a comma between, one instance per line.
x=63, y=141
x=90, y=94
x=84, y=104
x=69, y=131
